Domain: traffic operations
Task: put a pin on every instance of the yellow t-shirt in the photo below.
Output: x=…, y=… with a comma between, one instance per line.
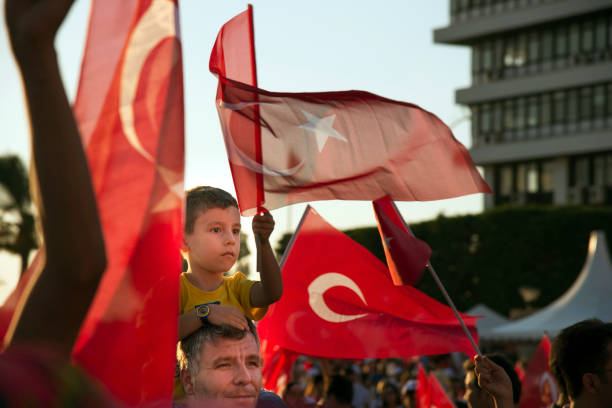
x=234, y=291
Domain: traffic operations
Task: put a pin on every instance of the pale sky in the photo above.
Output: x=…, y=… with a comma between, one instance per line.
x=318, y=45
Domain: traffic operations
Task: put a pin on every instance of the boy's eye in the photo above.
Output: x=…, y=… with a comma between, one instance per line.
x=236, y=231
x=215, y=229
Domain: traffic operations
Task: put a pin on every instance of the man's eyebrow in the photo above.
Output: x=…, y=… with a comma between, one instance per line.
x=222, y=360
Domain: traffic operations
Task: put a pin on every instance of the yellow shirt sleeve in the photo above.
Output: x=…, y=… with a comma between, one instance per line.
x=241, y=286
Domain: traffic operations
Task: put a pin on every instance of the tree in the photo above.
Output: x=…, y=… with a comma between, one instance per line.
x=17, y=226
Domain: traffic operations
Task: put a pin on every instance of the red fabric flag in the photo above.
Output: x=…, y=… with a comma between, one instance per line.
x=129, y=108
x=339, y=290
x=349, y=145
x=278, y=361
x=422, y=393
x=437, y=396
x=538, y=389
x=406, y=255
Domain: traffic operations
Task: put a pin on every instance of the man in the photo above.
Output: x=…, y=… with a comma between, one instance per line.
x=581, y=362
x=475, y=396
x=221, y=367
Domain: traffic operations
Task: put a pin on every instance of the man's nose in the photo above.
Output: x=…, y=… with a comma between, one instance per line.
x=242, y=374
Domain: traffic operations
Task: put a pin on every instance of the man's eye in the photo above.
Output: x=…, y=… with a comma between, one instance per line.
x=223, y=365
x=253, y=363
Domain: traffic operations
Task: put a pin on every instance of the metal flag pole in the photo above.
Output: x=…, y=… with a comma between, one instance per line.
x=433, y=273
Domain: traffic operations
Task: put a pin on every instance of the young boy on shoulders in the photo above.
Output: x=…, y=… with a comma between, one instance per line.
x=212, y=244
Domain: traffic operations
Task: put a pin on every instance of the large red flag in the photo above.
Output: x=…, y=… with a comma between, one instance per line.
x=538, y=389
x=129, y=108
x=278, y=361
x=343, y=303
x=406, y=255
x=349, y=145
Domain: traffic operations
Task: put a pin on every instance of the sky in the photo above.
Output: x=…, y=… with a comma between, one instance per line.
x=320, y=45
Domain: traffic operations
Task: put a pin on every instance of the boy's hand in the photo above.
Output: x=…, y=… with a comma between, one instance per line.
x=222, y=314
x=263, y=225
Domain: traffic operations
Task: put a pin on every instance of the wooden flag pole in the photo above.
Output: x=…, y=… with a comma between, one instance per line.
x=443, y=290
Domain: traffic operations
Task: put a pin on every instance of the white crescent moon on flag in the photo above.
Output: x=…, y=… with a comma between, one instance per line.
x=243, y=158
x=156, y=24
x=317, y=288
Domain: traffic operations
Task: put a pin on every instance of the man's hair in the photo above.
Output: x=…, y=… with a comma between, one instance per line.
x=341, y=388
x=202, y=199
x=500, y=360
x=189, y=350
x=577, y=350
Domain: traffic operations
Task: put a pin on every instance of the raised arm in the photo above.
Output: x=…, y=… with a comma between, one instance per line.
x=270, y=289
x=74, y=256
x=493, y=379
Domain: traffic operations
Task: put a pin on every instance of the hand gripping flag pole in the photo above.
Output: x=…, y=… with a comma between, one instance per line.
x=433, y=273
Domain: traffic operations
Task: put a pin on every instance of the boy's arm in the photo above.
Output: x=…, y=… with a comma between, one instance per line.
x=74, y=256
x=270, y=288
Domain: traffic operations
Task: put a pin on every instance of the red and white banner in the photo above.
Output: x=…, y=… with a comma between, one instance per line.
x=343, y=304
x=538, y=389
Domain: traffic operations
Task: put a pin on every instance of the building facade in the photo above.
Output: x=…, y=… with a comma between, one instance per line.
x=540, y=97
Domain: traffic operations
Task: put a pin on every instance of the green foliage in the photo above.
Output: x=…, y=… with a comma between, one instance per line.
x=486, y=258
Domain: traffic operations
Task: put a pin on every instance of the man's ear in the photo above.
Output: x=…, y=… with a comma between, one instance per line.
x=187, y=381
x=591, y=383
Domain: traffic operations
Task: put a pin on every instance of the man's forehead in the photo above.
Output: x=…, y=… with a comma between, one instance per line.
x=224, y=347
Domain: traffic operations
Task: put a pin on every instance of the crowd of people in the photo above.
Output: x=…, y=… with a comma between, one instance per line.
x=218, y=355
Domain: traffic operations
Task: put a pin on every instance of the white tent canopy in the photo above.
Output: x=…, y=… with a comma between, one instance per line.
x=589, y=297
x=490, y=319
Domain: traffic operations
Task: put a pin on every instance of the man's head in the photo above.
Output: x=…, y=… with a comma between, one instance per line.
x=339, y=393
x=581, y=361
x=212, y=229
x=221, y=366
x=475, y=396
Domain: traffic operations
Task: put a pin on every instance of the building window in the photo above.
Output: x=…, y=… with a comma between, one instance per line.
x=547, y=177
x=497, y=118
x=609, y=100
x=559, y=107
x=509, y=114
x=532, y=177
x=547, y=45
x=582, y=172
x=520, y=53
x=561, y=39
x=505, y=180
x=608, y=171
x=533, y=113
x=574, y=39
x=587, y=36
x=599, y=170
x=520, y=113
x=546, y=109
x=485, y=119
x=475, y=60
x=572, y=105
x=599, y=101
x=534, y=48
x=586, y=103
x=521, y=172
x=600, y=34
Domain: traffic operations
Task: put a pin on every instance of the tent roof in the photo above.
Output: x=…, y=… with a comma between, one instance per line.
x=489, y=320
x=589, y=297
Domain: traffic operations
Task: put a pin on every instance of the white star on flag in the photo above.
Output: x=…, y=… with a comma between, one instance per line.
x=322, y=128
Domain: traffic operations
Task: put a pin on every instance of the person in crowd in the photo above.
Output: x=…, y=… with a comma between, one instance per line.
x=361, y=394
x=339, y=393
x=35, y=367
x=408, y=393
x=581, y=362
x=212, y=245
x=220, y=366
x=475, y=396
x=390, y=397
x=294, y=397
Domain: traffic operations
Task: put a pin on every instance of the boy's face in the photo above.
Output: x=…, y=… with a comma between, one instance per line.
x=214, y=243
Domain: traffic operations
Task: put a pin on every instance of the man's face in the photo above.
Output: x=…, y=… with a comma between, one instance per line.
x=229, y=374
x=475, y=397
x=214, y=243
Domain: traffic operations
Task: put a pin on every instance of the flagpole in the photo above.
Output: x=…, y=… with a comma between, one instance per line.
x=258, y=151
x=433, y=273
x=290, y=244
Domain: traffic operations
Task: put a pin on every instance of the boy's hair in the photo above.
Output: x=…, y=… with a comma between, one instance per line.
x=203, y=198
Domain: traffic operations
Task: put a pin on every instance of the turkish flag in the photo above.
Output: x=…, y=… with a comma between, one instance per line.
x=422, y=394
x=276, y=372
x=343, y=304
x=129, y=108
x=406, y=255
x=349, y=145
x=437, y=396
x=538, y=389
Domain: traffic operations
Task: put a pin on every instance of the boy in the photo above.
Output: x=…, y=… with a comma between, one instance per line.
x=212, y=244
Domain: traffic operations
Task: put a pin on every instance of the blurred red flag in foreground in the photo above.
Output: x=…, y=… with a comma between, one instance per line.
x=538, y=389
x=406, y=255
x=349, y=145
x=339, y=290
x=430, y=393
x=129, y=108
x=422, y=394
